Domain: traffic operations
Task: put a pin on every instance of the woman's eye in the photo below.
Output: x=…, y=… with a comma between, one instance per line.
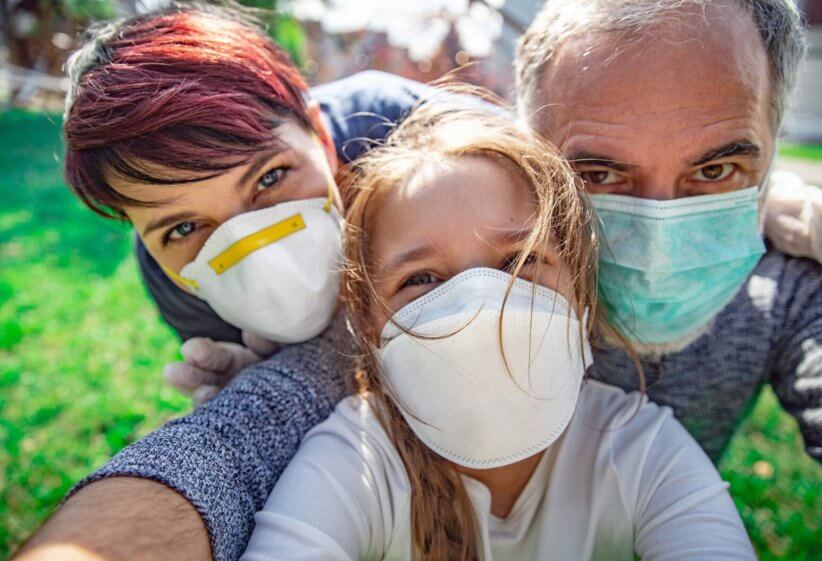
x=418, y=279
x=714, y=172
x=599, y=177
x=180, y=231
x=270, y=178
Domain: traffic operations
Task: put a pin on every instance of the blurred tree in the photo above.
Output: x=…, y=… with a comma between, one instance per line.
x=40, y=34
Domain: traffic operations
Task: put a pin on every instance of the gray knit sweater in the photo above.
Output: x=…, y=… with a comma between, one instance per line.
x=226, y=456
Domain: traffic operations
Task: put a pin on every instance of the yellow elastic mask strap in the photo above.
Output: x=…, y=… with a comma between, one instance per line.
x=251, y=243
x=329, y=203
x=191, y=283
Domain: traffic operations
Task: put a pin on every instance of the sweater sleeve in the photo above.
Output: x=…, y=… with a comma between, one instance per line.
x=796, y=370
x=226, y=456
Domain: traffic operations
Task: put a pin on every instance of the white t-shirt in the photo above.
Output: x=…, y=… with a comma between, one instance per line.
x=620, y=481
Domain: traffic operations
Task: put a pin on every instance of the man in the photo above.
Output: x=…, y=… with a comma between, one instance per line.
x=653, y=100
x=685, y=112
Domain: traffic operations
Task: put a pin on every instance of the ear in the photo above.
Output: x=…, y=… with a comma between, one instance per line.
x=323, y=134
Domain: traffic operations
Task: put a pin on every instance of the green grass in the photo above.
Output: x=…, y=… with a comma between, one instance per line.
x=803, y=151
x=81, y=349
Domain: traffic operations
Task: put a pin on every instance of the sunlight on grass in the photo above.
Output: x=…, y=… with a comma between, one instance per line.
x=81, y=350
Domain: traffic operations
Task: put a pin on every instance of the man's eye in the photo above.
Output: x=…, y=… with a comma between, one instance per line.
x=714, y=172
x=599, y=177
x=418, y=279
x=271, y=178
x=180, y=231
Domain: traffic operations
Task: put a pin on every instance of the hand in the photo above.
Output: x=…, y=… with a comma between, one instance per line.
x=793, y=216
x=208, y=366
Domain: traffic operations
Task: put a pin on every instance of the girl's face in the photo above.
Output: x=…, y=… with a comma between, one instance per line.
x=450, y=217
x=183, y=216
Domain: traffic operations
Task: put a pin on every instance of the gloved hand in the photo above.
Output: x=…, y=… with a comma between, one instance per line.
x=793, y=216
x=208, y=365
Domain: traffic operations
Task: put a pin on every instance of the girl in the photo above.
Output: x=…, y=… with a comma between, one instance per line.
x=471, y=288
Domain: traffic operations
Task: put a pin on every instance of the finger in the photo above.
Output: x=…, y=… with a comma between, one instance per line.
x=260, y=346
x=210, y=355
x=203, y=394
x=789, y=235
x=186, y=377
x=784, y=185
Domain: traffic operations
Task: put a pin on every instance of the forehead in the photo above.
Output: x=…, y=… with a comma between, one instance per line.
x=290, y=136
x=447, y=201
x=694, y=80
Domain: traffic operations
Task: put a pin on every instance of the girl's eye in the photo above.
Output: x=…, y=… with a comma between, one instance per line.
x=180, y=231
x=599, y=177
x=511, y=261
x=271, y=178
x=418, y=279
x=714, y=172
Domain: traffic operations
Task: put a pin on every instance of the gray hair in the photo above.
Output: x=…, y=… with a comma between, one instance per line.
x=779, y=23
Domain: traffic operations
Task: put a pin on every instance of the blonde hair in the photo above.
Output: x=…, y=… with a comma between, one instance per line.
x=443, y=525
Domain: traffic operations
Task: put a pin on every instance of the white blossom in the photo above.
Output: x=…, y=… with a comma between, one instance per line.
x=420, y=26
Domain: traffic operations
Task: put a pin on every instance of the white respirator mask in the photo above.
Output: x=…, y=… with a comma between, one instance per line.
x=460, y=395
x=274, y=272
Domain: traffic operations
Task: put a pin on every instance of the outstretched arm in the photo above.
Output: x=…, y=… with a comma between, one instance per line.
x=219, y=463
x=121, y=519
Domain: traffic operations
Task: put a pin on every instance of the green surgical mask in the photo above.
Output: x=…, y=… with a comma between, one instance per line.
x=667, y=268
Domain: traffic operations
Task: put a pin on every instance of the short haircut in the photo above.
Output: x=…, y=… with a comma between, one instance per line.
x=778, y=21
x=189, y=89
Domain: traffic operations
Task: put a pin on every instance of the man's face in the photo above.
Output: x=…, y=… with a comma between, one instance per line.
x=686, y=112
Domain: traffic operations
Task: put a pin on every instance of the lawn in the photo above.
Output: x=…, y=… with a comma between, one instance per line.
x=81, y=349
x=804, y=151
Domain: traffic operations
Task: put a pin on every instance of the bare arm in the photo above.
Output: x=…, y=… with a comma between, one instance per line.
x=121, y=519
x=223, y=459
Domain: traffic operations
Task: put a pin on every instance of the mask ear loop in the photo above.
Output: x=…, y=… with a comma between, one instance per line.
x=762, y=195
x=190, y=283
x=329, y=203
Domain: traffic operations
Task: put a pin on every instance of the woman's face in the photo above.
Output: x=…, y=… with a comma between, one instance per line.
x=183, y=216
x=448, y=218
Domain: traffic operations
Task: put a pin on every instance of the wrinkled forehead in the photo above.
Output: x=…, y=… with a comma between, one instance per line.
x=677, y=84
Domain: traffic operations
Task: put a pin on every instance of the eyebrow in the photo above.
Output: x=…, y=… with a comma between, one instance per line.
x=416, y=254
x=600, y=160
x=278, y=148
x=166, y=221
x=741, y=147
x=257, y=165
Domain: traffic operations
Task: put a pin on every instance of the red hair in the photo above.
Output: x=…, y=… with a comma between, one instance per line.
x=187, y=89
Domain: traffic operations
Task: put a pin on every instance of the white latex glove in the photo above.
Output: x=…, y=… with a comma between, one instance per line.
x=793, y=216
x=208, y=365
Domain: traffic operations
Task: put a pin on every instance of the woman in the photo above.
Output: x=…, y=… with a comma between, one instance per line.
x=181, y=121
x=471, y=286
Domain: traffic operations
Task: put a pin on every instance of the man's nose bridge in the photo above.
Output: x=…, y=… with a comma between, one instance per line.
x=658, y=187
x=658, y=190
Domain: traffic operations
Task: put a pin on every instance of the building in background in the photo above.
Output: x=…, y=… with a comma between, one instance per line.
x=805, y=119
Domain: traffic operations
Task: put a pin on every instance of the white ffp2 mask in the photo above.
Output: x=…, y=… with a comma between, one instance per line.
x=455, y=390
x=274, y=272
